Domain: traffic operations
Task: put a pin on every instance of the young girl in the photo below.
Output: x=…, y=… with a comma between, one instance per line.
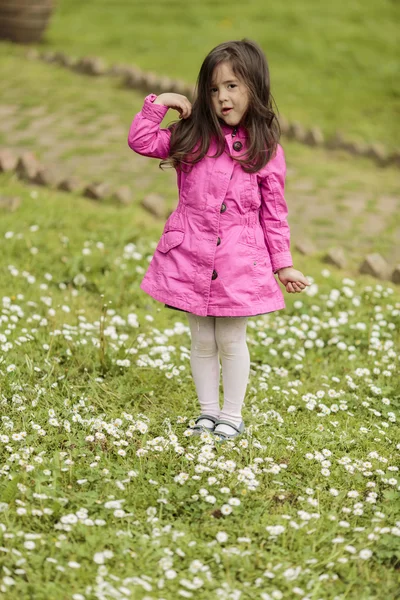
x=228, y=236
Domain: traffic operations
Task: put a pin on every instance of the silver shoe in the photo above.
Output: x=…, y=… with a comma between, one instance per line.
x=220, y=436
x=198, y=429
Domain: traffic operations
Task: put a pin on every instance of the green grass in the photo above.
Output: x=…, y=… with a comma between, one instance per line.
x=60, y=384
x=331, y=65
x=95, y=385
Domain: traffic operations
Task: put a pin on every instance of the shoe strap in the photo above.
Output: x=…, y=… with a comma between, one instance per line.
x=222, y=422
x=209, y=417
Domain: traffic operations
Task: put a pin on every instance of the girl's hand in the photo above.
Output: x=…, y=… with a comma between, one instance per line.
x=176, y=101
x=292, y=279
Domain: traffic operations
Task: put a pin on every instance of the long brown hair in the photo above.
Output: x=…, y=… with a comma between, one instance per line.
x=190, y=138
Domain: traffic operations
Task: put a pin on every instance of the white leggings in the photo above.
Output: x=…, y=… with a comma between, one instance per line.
x=225, y=336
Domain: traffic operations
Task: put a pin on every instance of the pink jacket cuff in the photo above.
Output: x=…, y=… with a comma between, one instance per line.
x=281, y=260
x=153, y=112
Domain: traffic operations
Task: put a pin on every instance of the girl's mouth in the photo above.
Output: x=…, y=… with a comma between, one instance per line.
x=225, y=111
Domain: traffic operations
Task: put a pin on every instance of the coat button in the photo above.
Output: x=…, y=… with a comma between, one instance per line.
x=223, y=207
x=237, y=146
x=214, y=274
x=218, y=241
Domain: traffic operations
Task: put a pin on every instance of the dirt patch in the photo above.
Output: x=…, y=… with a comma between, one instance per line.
x=7, y=110
x=303, y=185
x=373, y=224
x=354, y=203
x=389, y=204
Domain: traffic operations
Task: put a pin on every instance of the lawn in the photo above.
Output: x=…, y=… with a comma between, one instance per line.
x=334, y=65
x=103, y=494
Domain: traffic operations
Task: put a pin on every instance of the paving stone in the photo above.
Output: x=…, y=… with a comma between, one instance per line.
x=165, y=84
x=70, y=184
x=155, y=204
x=396, y=274
x=133, y=78
x=284, y=124
x=91, y=66
x=27, y=166
x=305, y=246
x=178, y=87
x=97, y=191
x=336, y=257
x=70, y=62
x=151, y=81
x=10, y=203
x=335, y=142
x=378, y=153
x=394, y=158
x=355, y=148
x=45, y=177
x=375, y=265
x=297, y=131
x=189, y=91
x=118, y=70
x=62, y=59
x=314, y=137
x=8, y=161
x=48, y=56
x=123, y=195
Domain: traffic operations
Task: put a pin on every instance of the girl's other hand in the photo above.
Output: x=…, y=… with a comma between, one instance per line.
x=293, y=280
x=177, y=102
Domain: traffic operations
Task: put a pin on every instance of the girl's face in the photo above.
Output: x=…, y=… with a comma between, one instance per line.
x=229, y=95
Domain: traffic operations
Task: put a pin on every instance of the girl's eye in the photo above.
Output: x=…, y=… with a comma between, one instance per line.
x=230, y=85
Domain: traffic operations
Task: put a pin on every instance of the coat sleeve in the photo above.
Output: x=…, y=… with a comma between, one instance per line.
x=274, y=211
x=146, y=137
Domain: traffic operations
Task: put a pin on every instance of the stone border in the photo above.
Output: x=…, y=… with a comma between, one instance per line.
x=373, y=264
x=28, y=169
x=147, y=82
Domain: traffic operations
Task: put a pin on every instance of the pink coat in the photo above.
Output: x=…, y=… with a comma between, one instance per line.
x=228, y=235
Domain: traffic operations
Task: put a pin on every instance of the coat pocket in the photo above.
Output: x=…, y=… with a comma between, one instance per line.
x=253, y=237
x=169, y=240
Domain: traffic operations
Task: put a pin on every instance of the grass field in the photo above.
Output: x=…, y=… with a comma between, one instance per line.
x=104, y=495
x=334, y=65
x=103, y=492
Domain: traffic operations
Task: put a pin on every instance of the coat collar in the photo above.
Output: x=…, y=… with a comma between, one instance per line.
x=228, y=130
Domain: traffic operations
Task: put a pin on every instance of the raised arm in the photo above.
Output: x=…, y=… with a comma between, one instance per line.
x=146, y=137
x=274, y=211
